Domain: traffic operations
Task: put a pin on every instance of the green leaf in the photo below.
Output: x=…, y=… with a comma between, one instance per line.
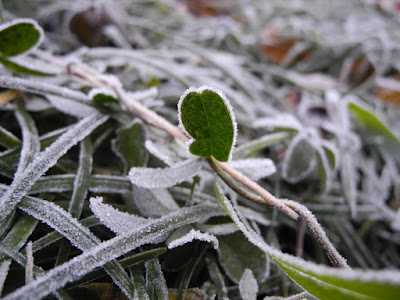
x=111, y=249
x=104, y=99
x=237, y=254
x=376, y=130
x=129, y=146
x=300, y=159
x=343, y=284
x=19, y=36
x=21, y=69
x=321, y=281
x=207, y=117
x=45, y=160
x=7, y=139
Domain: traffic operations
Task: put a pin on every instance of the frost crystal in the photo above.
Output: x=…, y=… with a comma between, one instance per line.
x=248, y=286
x=255, y=168
x=152, y=178
x=117, y=221
x=194, y=235
x=70, y=107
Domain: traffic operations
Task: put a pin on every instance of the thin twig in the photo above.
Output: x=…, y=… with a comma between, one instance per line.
x=266, y=197
x=300, y=238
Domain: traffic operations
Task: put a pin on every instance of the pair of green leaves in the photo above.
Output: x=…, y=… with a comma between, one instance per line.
x=17, y=38
x=207, y=118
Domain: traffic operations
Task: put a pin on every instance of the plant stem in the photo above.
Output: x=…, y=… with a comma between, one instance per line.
x=300, y=238
x=266, y=197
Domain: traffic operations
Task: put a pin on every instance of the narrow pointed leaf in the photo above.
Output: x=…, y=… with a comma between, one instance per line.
x=153, y=178
x=20, y=68
x=7, y=139
x=129, y=146
x=321, y=281
x=45, y=160
x=377, y=131
x=113, y=248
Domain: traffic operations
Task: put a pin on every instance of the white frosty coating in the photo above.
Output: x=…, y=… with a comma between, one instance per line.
x=96, y=91
x=194, y=235
x=227, y=103
x=144, y=95
x=69, y=107
x=254, y=168
x=29, y=263
x=118, y=221
x=155, y=278
x=253, y=215
x=30, y=141
x=289, y=157
x=315, y=81
x=153, y=178
x=40, y=87
x=159, y=151
x=28, y=21
x=80, y=236
x=164, y=197
x=147, y=203
x=283, y=121
x=396, y=221
x=248, y=286
x=384, y=276
x=45, y=160
x=220, y=229
x=4, y=267
x=110, y=249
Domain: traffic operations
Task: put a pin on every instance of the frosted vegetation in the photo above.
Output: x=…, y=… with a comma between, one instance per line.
x=108, y=116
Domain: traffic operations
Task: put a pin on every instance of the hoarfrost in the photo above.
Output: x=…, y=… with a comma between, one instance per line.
x=255, y=168
x=248, y=286
x=220, y=229
x=281, y=121
x=117, y=221
x=4, y=267
x=384, y=276
x=40, y=87
x=29, y=263
x=147, y=203
x=70, y=107
x=96, y=91
x=300, y=159
x=144, y=95
x=165, y=198
x=30, y=140
x=152, y=178
x=155, y=281
x=46, y=159
x=159, y=151
x=194, y=235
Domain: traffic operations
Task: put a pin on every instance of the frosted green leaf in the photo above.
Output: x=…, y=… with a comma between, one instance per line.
x=376, y=130
x=207, y=117
x=129, y=146
x=19, y=36
x=20, y=68
x=300, y=159
x=237, y=254
x=321, y=281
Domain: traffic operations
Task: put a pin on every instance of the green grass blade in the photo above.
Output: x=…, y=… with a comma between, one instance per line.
x=7, y=139
x=46, y=159
x=106, y=251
